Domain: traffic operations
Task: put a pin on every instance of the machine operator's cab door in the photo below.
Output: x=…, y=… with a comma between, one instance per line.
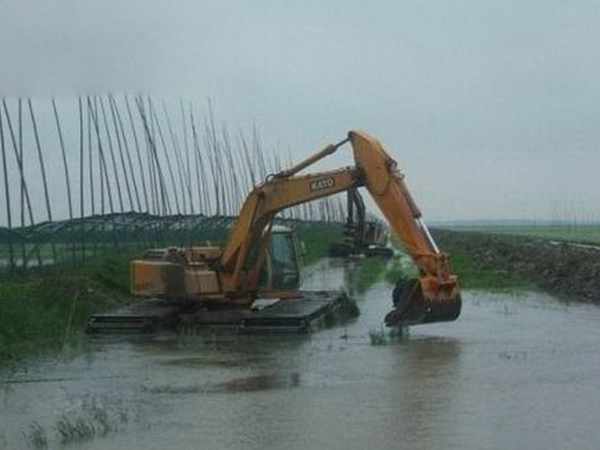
x=281, y=270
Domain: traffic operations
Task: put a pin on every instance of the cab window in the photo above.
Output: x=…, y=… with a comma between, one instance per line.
x=284, y=264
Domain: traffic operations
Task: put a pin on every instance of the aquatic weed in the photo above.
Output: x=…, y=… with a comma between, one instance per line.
x=72, y=430
x=91, y=419
x=344, y=310
x=378, y=337
x=36, y=436
x=386, y=337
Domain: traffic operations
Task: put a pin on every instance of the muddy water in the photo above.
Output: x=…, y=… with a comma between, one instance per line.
x=515, y=372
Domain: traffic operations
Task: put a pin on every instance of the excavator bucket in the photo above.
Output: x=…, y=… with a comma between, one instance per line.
x=423, y=301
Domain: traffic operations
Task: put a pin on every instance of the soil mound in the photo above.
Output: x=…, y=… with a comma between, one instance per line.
x=569, y=271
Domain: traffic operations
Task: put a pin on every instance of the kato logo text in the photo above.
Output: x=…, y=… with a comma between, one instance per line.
x=319, y=185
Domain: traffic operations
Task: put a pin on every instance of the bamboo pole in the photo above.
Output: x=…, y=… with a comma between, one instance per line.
x=11, y=260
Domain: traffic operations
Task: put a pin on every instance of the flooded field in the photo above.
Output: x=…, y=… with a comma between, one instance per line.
x=515, y=371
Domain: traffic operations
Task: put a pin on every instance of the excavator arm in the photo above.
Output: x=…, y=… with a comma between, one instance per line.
x=434, y=297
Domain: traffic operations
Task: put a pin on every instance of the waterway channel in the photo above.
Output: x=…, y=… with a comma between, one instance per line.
x=516, y=371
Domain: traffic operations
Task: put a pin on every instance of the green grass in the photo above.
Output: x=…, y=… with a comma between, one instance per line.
x=466, y=262
x=475, y=276
x=49, y=311
x=471, y=275
x=317, y=240
x=370, y=273
x=389, y=336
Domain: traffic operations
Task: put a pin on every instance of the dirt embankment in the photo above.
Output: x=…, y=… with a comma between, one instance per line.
x=568, y=271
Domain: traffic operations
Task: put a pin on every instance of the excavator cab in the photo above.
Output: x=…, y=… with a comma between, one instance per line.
x=281, y=269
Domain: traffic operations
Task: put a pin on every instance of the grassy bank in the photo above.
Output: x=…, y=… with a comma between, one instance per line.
x=582, y=234
x=565, y=271
x=48, y=311
x=472, y=273
x=464, y=260
x=475, y=275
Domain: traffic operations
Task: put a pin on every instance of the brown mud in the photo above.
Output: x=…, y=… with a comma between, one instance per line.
x=569, y=271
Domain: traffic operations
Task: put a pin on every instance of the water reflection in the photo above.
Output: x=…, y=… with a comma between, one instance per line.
x=428, y=370
x=260, y=382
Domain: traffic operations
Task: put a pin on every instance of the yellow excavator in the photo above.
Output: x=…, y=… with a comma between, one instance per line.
x=257, y=261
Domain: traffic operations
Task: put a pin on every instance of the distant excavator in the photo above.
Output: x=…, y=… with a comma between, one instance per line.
x=359, y=235
x=260, y=261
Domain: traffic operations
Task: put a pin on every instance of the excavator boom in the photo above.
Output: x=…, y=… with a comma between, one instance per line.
x=436, y=295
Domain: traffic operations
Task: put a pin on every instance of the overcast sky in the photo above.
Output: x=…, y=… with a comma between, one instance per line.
x=491, y=107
